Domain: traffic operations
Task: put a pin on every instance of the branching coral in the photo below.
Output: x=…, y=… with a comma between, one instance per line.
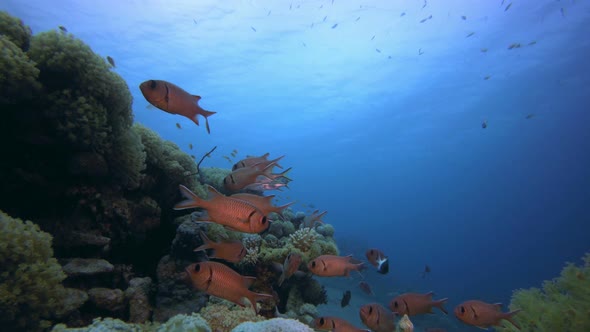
x=252, y=245
x=562, y=305
x=30, y=278
x=303, y=239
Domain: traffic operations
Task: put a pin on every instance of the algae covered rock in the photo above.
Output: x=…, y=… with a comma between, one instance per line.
x=30, y=277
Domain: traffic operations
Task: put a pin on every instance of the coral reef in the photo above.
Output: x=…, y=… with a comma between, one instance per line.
x=30, y=277
x=223, y=316
x=193, y=322
x=15, y=30
x=273, y=325
x=563, y=304
x=104, y=188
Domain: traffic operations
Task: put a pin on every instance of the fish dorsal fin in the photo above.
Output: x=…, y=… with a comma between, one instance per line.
x=498, y=306
x=269, y=198
x=248, y=281
x=429, y=295
x=197, y=98
x=265, y=156
x=213, y=192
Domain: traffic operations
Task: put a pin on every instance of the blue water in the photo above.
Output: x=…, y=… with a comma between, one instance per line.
x=388, y=141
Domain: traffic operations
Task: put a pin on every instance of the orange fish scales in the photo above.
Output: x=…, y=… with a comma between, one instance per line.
x=219, y=280
x=230, y=212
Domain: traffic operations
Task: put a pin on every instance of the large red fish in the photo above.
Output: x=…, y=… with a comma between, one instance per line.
x=232, y=213
x=247, y=176
x=219, y=280
x=263, y=203
x=377, y=317
x=251, y=161
x=483, y=315
x=335, y=324
x=231, y=251
x=333, y=266
x=415, y=304
x=174, y=100
x=313, y=219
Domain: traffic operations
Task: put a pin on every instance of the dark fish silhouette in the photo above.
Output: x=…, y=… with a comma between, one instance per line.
x=345, y=299
x=426, y=271
x=484, y=124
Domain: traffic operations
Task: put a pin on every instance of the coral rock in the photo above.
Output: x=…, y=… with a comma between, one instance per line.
x=112, y=300
x=74, y=299
x=138, y=297
x=87, y=267
x=273, y=325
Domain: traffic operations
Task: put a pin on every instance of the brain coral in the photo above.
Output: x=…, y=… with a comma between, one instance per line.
x=30, y=278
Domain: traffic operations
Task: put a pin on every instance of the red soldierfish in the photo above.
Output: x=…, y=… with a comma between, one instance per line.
x=483, y=315
x=415, y=304
x=263, y=203
x=231, y=251
x=174, y=100
x=378, y=260
x=313, y=219
x=377, y=318
x=333, y=266
x=335, y=324
x=291, y=265
x=219, y=280
x=251, y=161
x=232, y=213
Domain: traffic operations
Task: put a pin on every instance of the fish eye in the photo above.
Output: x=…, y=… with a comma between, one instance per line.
x=197, y=267
x=322, y=322
x=371, y=252
x=462, y=309
x=313, y=264
x=395, y=304
x=152, y=84
x=263, y=220
x=370, y=310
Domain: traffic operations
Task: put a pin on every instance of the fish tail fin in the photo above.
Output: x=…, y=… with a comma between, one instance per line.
x=206, y=242
x=510, y=315
x=276, y=161
x=283, y=174
x=191, y=201
x=279, y=209
x=441, y=305
x=206, y=114
x=255, y=297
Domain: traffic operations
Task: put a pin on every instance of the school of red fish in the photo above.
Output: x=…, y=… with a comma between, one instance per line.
x=248, y=213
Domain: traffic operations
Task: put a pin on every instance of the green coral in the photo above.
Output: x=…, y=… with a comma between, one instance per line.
x=92, y=102
x=214, y=177
x=128, y=170
x=15, y=30
x=178, y=166
x=562, y=305
x=30, y=277
x=18, y=73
